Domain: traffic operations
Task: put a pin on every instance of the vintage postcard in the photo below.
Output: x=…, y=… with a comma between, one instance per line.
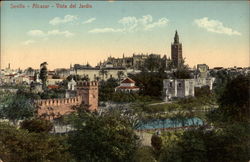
x=118, y=81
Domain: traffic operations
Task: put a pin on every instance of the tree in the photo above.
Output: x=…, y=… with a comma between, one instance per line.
x=107, y=89
x=235, y=100
x=18, y=107
x=163, y=65
x=102, y=138
x=37, y=125
x=182, y=73
x=43, y=73
x=145, y=154
x=202, y=91
x=21, y=145
x=150, y=83
x=152, y=63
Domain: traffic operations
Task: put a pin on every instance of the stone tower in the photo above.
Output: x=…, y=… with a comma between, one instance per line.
x=89, y=93
x=176, y=51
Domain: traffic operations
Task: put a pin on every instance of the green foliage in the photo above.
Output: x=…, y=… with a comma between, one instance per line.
x=231, y=143
x=192, y=146
x=184, y=147
x=20, y=145
x=102, y=138
x=228, y=144
x=202, y=91
x=17, y=107
x=228, y=140
x=170, y=151
x=125, y=97
x=145, y=154
x=36, y=125
x=52, y=93
x=153, y=63
x=182, y=73
x=107, y=89
x=150, y=83
x=234, y=102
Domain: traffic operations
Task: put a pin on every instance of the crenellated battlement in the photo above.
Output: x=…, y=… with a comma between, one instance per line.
x=87, y=84
x=59, y=101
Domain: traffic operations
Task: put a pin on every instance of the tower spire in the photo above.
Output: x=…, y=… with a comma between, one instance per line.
x=176, y=37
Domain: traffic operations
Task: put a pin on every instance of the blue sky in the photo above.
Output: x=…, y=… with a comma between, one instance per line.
x=216, y=33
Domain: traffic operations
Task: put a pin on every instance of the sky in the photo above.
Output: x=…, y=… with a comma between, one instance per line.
x=212, y=32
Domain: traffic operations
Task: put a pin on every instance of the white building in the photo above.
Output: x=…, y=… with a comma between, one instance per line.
x=71, y=91
x=179, y=88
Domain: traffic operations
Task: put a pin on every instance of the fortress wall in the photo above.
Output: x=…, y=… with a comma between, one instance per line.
x=54, y=108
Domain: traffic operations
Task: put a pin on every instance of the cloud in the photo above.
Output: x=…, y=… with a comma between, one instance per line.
x=40, y=33
x=89, y=21
x=27, y=42
x=160, y=23
x=36, y=33
x=66, y=19
x=105, y=30
x=215, y=26
x=57, y=32
x=129, y=23
x=132, y=24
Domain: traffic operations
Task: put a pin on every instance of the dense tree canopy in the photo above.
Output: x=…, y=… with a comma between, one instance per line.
x=21, y=145
x=102, y=138
x=37, y=125
x=17, y=107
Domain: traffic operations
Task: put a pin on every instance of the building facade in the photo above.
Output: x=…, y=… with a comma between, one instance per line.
x=180, y=88
x=99, y=73
x=135, y=62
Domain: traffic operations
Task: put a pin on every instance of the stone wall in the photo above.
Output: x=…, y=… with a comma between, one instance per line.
x=87, y=94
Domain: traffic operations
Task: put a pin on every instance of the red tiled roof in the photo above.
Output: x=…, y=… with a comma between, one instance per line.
x=126, y=87
x=128, y=80
x=53, y=86
x=11, y=75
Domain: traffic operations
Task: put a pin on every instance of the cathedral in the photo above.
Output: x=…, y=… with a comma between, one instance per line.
x=176, y=51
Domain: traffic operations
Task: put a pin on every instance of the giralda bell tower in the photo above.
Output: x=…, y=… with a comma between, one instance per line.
x=176, y=51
